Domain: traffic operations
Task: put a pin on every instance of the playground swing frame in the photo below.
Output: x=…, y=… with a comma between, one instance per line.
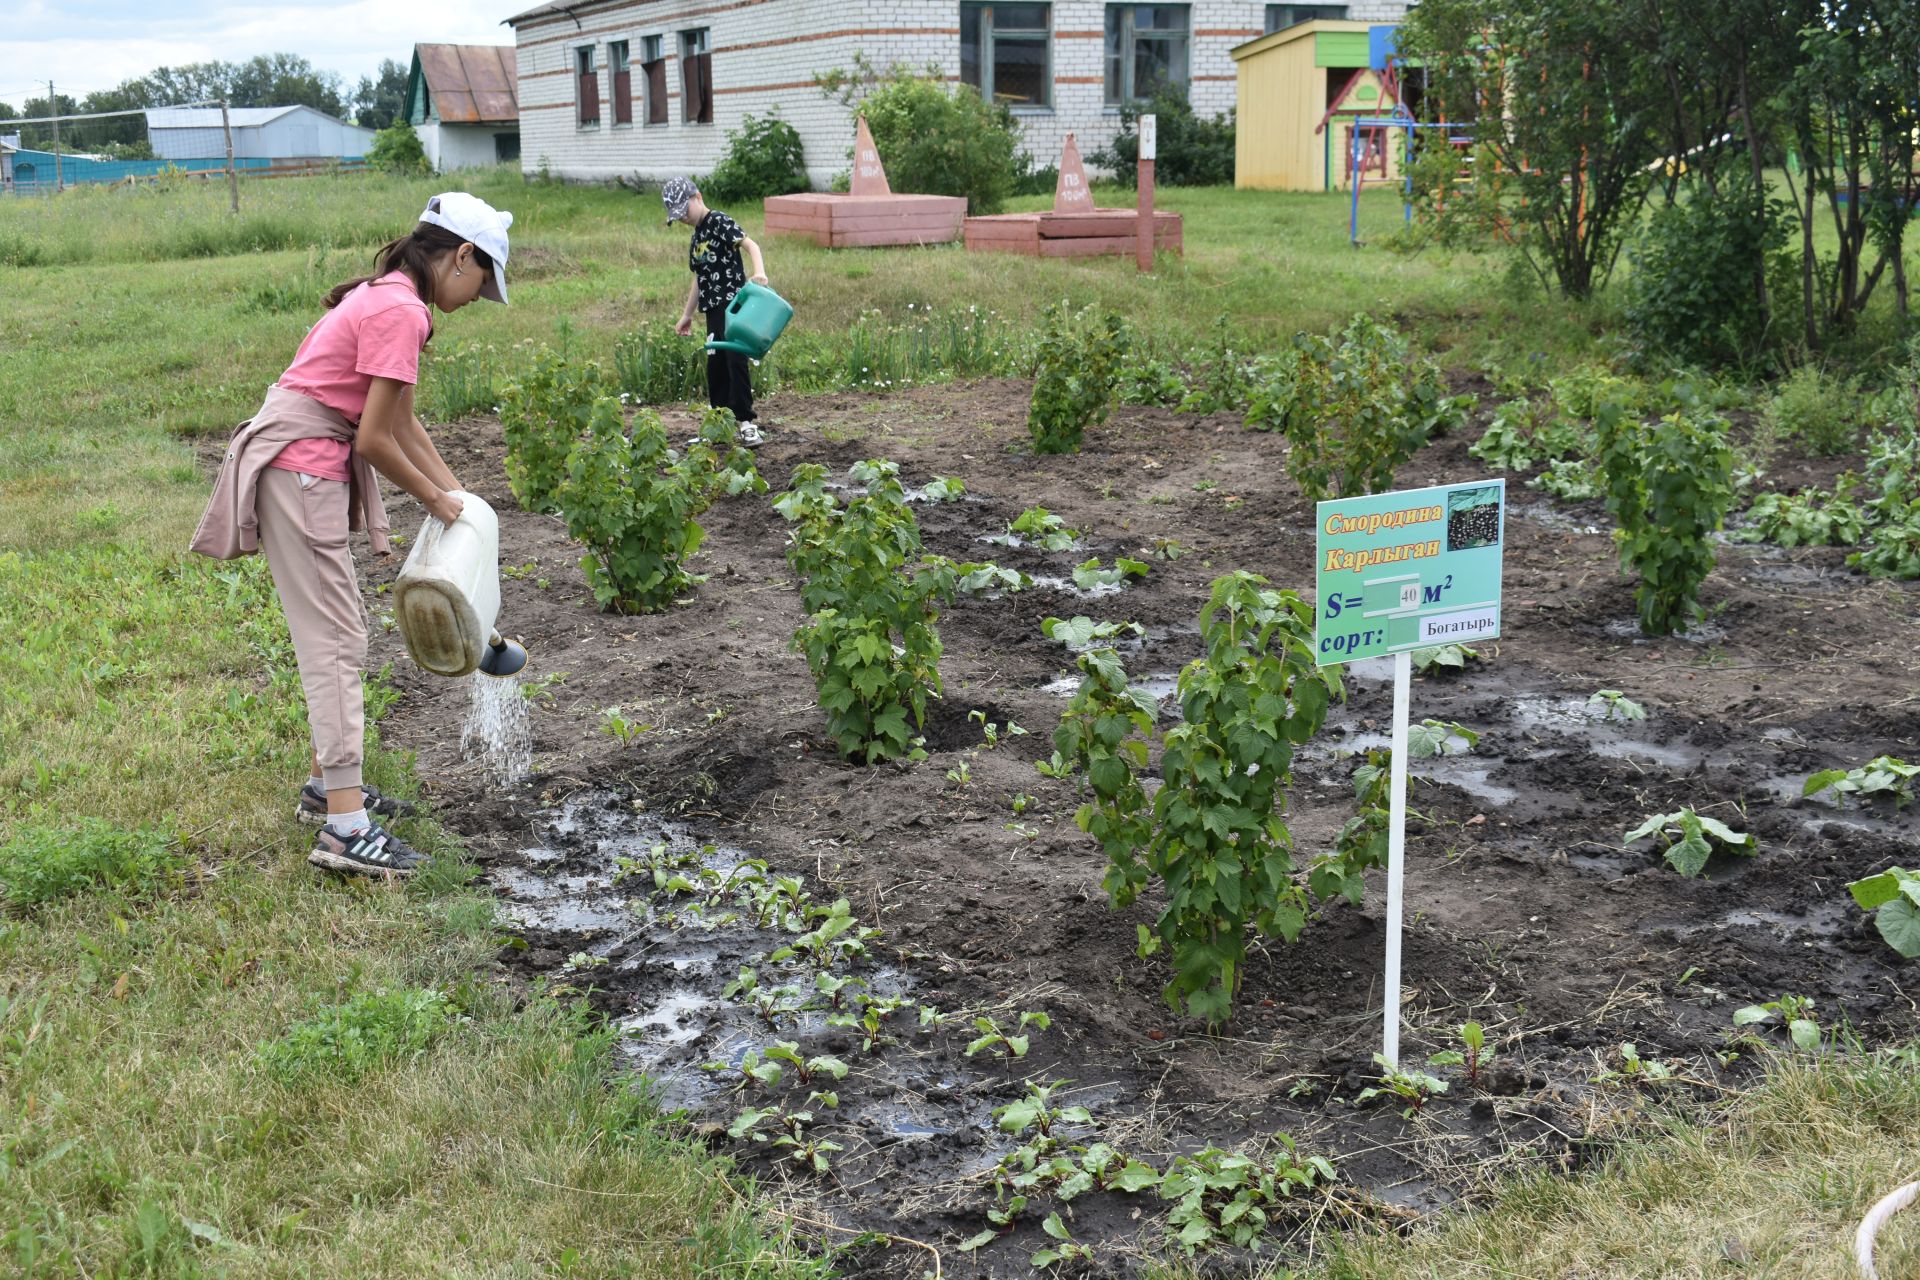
x=1455, y=130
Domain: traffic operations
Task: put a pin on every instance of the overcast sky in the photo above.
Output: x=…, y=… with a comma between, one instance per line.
x=83, y=45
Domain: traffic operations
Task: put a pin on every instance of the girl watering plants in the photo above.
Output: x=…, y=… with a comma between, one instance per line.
x=304, y=470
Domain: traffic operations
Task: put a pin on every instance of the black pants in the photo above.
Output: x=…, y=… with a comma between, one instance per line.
x=729, y=376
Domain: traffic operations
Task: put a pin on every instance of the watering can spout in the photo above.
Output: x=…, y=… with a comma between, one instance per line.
x=503, y=657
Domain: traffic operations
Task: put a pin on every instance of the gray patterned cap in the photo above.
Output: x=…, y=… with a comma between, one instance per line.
x=675, y=195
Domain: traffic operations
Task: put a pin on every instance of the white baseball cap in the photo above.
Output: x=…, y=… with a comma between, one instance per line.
x=473, y=219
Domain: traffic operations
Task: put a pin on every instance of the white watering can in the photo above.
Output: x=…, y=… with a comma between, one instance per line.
x=447, y=597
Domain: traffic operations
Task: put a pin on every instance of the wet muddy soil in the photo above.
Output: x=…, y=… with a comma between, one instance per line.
x=1523, y=910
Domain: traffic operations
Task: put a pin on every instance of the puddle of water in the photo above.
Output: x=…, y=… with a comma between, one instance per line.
x=1559, y=521
x=1698, y=634
x=1672, y=755
x=1161, y=686
x=1047, y=582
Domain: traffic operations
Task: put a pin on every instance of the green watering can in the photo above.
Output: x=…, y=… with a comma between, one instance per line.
x=755, y=318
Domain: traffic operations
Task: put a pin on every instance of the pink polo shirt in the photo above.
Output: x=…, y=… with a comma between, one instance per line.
x=377, y=331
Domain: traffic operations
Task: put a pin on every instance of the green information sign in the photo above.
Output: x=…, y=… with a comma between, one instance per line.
x=1407, y=570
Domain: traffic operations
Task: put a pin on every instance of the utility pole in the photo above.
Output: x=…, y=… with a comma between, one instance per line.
x=53, y=109
x=233, y=179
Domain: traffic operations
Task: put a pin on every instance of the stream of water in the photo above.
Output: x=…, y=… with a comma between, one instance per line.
x=498, y=731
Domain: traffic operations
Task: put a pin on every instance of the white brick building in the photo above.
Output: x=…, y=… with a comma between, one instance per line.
x=610, y=88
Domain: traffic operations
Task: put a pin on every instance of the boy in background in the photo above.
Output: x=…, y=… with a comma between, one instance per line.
x=718, y=274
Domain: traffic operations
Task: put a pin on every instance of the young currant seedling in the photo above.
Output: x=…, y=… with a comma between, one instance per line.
x=615, y=724
x=1039, y=527
x=1412, y=1087
x=1444, y=657
x=1472, y=1054
x=1881, y=778
x=1088, y=575
x=1894, y=898
x=1690, y=838
x=1432, y=738
x=1795, y=1013
x=1614, y=705
x=1007, y=1044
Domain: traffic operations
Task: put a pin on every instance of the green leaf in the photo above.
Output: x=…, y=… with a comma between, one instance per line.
x=1805, y=1033
x=1052, y=1225
x=1822, y=780
x=1135, y=1177
x=1044, y=1258
x=979, y=1241
x=1899, y=924
x=1689, y=855
x=1750, y=1014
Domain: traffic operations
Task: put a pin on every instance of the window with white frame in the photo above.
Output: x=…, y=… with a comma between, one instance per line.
x=1005, y=52
x=1147, y=51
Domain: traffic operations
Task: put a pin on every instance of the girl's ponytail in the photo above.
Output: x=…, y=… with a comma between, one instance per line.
x=415, y=254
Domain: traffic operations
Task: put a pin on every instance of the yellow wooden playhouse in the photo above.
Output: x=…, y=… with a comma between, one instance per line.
x=1301, y=91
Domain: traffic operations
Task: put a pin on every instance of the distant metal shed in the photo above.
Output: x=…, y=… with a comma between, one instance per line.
x=463, y=100
x=264, y=133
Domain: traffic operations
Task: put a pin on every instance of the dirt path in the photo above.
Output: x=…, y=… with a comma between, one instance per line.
x=1523, y=912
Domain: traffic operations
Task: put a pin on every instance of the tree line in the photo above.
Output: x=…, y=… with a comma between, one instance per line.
x=1755, y=158
x=265, y=80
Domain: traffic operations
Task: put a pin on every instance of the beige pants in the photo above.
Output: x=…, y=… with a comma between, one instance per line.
x=303, y=530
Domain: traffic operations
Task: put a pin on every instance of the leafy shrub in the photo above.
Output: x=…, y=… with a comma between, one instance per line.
x=1892, y=547
x=41, y=864
x=1821, y=413
x=1691, y=295
x=1668, y=485
x=935, y=138
x=869, y=636
x=397, y=149
x=1148, y=380
x=1223, y=376
x=632, y=503
x=1213, y=834
x=1524, y=434
x=1814, y=518
x=1079, y=366
x=543, y=412
x=1194, y=152
x=1353, y=410
x=1362, y=842
x=343, y=1042
x=764, y=158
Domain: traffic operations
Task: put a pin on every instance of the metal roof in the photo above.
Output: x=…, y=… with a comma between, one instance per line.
x=471, y=83
x=209, y=117
x=569, y=7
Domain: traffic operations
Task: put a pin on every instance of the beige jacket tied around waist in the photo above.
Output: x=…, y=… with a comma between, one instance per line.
x=229, y=529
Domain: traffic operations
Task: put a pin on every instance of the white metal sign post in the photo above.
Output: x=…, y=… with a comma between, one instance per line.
x=1395, y=572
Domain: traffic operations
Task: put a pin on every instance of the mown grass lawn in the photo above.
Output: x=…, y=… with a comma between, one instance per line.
x=213, y=1062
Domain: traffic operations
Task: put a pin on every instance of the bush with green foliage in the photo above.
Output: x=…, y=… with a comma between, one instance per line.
x=631, y=500
x=1193, y=151
x=543, y=413
x=1524, y=434
x=869, y=637
x=1223, y=374
x=764, y=158
x=1668, y=485
x=1822, y=414
x=44, y=863
x=934, y=138
x=1212, y=836
x=1690, y=297
x=397, y=149
x=343, y=1042
x=1811, y=518
x=1076, y=375
x=1354, y=408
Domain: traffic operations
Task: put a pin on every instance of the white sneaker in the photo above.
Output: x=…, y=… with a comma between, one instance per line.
x=750, y=436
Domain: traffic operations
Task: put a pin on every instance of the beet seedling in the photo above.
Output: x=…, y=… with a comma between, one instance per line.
x=1893, y=897
x=1008, y=1044
x=754, y=1068
x=1036, y=1111
x=1472, y=1054
x=1414, y=1088
x=1690, y=838
x=788, y=1051
x=1795, y=1013
x=786, y=1131
x=839, y=992
x=1635, y=1067
x=615, y=724
x=992, y=731
x=1067, y=1250
x=1224, y=1198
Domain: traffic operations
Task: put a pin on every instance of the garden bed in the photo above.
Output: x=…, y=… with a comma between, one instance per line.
x=1523, y=911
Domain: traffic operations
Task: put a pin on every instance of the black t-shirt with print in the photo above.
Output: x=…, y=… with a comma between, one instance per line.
x=714, y=257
